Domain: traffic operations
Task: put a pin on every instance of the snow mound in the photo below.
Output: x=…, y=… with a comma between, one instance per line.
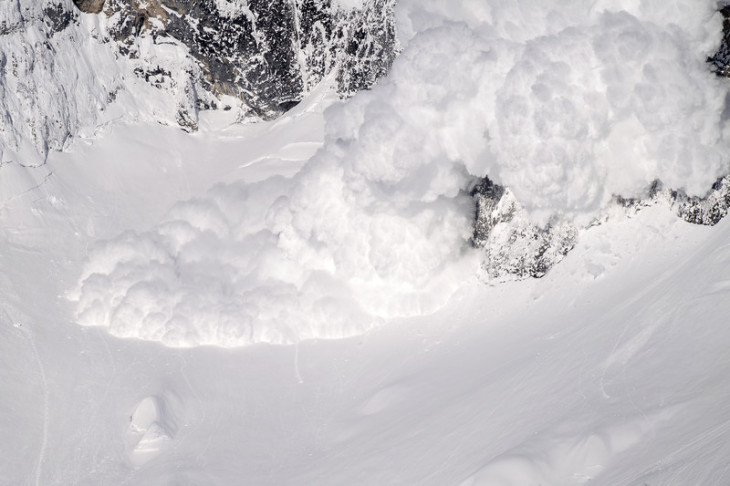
x=566, y=459
x=150, y=430
x=563, y=104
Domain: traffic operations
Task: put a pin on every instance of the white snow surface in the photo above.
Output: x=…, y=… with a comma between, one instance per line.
x=611, y=370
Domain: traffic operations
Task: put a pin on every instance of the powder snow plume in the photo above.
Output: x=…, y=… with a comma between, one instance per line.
x=565, y=102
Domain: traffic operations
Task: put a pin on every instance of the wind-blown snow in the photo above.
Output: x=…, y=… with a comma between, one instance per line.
x=565, y=103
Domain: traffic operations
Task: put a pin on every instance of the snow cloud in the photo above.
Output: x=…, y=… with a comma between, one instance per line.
x=565, y=102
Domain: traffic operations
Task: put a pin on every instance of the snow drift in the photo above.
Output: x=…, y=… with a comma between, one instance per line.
x=565, y=103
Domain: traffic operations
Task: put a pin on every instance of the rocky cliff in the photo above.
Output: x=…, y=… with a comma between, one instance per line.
x=68, y=67
x=267, y=53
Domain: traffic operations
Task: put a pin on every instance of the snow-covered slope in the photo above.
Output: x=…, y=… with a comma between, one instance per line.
x=609, y=370
x=61, y=77
x=357, y=223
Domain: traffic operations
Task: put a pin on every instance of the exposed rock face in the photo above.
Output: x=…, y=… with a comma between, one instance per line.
x=708, y=210
x=267, y=53
x=63, y=73
x=720, y=62
x=54, y=79
x=513, y=246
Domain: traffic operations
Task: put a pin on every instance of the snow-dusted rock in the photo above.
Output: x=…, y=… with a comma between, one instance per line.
x=513, y=246
x=68, y=67
x=269, y=54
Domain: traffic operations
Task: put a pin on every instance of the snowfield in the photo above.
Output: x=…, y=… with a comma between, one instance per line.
x=296, y=302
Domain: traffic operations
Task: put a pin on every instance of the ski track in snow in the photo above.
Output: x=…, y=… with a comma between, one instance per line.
x=29, y=337
x=46, y=414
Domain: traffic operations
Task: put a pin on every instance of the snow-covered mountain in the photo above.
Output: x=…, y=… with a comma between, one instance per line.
x=69, y=68
x=359, y=231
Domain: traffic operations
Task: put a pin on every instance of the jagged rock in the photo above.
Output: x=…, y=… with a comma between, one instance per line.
x=54, y=79
x=708, y=210
x=513, y=247
x=487, y=196
x=267, y=53
x=720, y=62
x=58, y=18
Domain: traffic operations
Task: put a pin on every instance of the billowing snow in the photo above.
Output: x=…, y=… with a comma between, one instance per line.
x=579, y=101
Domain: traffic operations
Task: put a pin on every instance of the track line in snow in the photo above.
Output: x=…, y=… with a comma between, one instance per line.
x=28, y=335
x=296, y=363
x=692, y=448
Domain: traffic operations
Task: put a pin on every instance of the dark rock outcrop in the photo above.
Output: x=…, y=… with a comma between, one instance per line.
x=58, y=18
x=720, y=61
x=268, y=53
x=513, y=246
x=707, y=210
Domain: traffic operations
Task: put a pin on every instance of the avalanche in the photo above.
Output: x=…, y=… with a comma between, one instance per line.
x=565, y=105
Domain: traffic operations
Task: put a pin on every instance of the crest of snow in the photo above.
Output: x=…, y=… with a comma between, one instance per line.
x=564, y=103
